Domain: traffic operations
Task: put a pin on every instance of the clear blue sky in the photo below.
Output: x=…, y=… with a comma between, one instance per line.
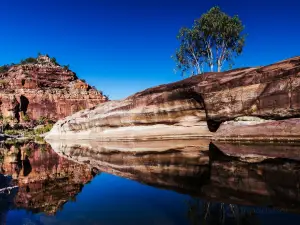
x=124, y=46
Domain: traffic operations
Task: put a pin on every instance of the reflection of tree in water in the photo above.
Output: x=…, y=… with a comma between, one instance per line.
x=209, y=213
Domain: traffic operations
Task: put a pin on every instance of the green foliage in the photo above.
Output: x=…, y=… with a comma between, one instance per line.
x=40, y=140
x=43, y=148
x=4, y=69
x=53, y=60
x=14, y=142
x=83, y=80
x=43, y=129
x=28, y=151
x=25, y=117
x=75, y=76
x=20, y=132
x=42, y=120
x=12, y=132
x=214, y=39
x=66, y=67
x=29, y=60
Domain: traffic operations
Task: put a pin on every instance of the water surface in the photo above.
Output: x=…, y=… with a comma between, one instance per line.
x=177, y=182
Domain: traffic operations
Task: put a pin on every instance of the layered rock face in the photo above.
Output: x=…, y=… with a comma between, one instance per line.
x=44, y=89
x=265, y=130
x=193, y=107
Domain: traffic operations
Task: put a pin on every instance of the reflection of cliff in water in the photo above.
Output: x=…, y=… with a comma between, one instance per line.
x=46, y=181
x=192, y=168
x=219, y=184
x=6, y=197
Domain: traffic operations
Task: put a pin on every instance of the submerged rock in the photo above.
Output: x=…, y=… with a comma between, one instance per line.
x=193, y=107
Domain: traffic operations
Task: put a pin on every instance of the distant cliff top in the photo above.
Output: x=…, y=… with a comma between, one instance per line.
x=40, y=73
x=41, y=87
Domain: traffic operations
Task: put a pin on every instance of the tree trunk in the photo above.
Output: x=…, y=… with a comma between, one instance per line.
x=219, y=65
x=211, y=67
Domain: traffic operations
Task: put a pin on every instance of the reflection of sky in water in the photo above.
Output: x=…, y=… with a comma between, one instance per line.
x=112, y=200
x=109, y=199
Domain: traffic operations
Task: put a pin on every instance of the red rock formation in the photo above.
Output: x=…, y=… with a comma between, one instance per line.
x=182, y=109
x=44, y=89
x=45, y=180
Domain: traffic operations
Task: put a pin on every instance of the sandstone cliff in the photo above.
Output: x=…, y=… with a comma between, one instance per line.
x=41, y=88
x=193, y=107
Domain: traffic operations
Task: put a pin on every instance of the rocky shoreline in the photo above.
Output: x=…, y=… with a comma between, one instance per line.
x=250, y=104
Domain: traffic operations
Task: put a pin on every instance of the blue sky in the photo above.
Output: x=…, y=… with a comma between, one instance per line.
x=124, y=46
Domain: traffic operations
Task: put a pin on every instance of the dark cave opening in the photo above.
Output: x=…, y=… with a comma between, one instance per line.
x=24, y=102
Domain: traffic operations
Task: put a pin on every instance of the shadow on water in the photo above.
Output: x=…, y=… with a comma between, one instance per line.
x=226, y=187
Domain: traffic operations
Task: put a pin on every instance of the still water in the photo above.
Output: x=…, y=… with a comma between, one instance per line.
x=164, y=183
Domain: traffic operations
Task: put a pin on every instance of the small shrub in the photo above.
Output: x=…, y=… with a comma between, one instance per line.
x=42, y=120
x=25, y=117
x=39, y=139
x=4, y=68
x=66, y=67
x=11, y=132
x=43, y=148
x=29, y=60
x=8, y=118
x=53, y=60
x=44, y=129
x=28, y=151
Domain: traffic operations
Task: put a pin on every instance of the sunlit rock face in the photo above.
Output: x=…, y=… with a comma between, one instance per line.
x=45, y=181
x=44, y=89
x=265, y=130
x=193, y=107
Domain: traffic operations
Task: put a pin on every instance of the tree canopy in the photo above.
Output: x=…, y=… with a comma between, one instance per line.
x=214, y=39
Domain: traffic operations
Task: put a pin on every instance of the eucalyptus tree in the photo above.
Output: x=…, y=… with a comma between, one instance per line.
x=214, y=39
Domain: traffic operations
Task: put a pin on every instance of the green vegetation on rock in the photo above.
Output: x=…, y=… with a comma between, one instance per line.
x=4, y=68
x=28, y=60
x=43, y=129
